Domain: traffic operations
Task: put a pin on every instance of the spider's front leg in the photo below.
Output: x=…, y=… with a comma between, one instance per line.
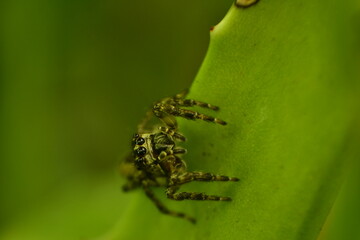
x=167, y=113
x=191, y=103
x=179, y=99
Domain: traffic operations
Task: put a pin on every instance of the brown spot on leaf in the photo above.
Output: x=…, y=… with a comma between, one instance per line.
x=212, y=28
x=245, y=3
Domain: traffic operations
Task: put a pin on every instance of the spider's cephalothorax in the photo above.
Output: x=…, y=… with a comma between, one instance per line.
x=156, y=160
x=151, y=149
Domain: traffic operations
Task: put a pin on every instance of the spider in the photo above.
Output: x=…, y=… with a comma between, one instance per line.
x=156, y=160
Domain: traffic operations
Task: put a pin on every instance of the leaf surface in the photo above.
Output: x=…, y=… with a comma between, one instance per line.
x=279, y=72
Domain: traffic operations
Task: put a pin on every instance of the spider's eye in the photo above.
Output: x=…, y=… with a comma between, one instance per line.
x=134, y=140
x=140, y=163
x=141, y=151
x=140, y=141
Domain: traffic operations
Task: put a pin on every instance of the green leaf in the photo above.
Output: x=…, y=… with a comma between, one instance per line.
x=279, y=70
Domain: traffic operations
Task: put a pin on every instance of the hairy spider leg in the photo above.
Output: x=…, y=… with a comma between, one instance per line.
x=162, y=208
x=179, y=99
x=132, y=184
x=201, y=176
x=168, y=119
x=179, y=176
x=191, y=103
x=165, y=111
x=196, y=176
x=171, y=193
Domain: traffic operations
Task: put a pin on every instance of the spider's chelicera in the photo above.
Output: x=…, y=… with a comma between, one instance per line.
x=156, y=160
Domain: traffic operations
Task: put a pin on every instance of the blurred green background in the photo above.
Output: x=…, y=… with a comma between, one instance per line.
x=76, y=77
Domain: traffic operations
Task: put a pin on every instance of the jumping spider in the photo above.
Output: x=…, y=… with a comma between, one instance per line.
x=156, y=160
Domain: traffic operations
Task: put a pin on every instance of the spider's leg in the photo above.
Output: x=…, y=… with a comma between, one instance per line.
x=163, y=208
x=173, y=133
x=195, y=176
x=166, y=118
x=171, y=193
x=201, y=176
x=162, y=110
x=191, y=103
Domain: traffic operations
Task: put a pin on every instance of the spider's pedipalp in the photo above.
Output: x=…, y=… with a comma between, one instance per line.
x=179, y=151
x=173, y=133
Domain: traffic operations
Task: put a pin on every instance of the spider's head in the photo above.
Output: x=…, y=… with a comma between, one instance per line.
x=142, y=149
